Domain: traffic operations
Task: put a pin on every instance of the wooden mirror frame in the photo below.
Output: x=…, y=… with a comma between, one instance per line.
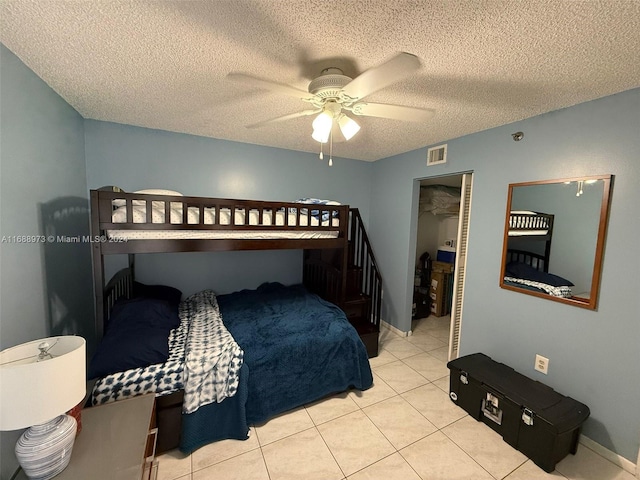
x=588, y=303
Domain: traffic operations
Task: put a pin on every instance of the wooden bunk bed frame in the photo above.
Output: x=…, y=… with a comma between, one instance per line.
x=341, y=270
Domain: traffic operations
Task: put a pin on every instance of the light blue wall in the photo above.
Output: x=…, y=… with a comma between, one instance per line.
x=137, y=158
x=594, y=356
x=45, y=287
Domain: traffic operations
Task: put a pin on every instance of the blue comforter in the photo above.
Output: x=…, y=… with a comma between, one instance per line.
x=297, y=347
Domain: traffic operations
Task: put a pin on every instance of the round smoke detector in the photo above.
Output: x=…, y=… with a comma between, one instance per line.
x=329, y=83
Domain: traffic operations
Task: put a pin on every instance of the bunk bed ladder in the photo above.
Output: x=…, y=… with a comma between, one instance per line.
x=362, y=301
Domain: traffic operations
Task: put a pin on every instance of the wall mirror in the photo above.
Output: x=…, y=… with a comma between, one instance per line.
x=554, y=238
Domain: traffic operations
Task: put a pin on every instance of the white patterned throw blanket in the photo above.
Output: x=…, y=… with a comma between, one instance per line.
x=204, y=360
x=563, y=291
x=161, y=379
x=212, y=357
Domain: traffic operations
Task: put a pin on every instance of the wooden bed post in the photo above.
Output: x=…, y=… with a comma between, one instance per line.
x=345, y=259
x=98, y=267
x=132, y=265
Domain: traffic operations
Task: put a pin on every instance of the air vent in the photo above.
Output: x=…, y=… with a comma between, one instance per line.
x=436, y=155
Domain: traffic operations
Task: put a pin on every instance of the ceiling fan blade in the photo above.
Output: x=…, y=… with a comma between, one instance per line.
x=291, y=116
x=269, y=85
x=395, y=112
x=376, y=78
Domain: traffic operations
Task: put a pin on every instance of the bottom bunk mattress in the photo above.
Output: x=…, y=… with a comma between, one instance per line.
x=295, y=348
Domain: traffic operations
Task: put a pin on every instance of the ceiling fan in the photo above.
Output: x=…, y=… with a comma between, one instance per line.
x=332, y=94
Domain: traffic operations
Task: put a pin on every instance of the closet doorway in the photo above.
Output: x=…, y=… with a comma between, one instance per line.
x=440, y=257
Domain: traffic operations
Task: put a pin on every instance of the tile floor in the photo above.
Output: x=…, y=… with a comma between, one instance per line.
x=404, y=427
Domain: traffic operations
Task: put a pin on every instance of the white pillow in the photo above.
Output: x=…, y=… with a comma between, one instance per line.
x=120, y=202
x=158, y=191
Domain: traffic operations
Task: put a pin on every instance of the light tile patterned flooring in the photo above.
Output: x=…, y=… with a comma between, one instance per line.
x=404, y=427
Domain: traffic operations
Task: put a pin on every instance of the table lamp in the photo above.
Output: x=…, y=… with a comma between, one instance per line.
x=39, y=382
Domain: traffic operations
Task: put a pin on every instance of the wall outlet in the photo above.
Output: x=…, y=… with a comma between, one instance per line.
x=542, y=364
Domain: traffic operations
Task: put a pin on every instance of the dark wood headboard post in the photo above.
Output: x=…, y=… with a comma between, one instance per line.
x=132, y=264
x=345, y=257
x=547, y=248
x=98, y=266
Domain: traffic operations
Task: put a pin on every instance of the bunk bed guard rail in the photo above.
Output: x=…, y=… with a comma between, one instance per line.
x=274, y=225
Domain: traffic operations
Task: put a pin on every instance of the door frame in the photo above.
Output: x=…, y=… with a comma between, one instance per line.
x=459, y=273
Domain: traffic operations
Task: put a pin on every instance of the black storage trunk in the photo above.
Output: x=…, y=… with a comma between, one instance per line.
x=530, y=416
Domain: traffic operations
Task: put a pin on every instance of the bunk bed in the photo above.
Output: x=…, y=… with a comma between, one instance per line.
x=341, y=288
x=528, y=249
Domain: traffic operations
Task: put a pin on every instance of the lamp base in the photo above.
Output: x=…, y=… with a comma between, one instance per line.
x=44, y=451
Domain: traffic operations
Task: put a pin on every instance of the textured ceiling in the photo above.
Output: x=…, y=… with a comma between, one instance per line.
x=162, y=64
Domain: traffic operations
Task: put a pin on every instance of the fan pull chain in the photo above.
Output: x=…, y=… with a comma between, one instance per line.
x=321, y=156
x=331, y=148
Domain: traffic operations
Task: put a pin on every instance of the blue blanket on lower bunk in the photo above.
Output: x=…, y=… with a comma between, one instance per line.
x=297, y=347
x=217, y=421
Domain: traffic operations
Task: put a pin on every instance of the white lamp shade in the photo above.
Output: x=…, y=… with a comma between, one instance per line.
x=322, y=127
x=348, y=127
x=33, y=392
x=320, y=136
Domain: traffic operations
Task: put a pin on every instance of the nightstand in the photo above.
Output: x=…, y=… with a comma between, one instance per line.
x=117, y=441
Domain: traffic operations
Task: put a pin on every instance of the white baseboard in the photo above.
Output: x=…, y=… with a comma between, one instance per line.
x=626, y=464
x=395, y=330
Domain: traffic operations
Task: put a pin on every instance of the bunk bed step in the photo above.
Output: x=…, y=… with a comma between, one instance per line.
x=354, y=281
x=368, y=333
x=356, y=306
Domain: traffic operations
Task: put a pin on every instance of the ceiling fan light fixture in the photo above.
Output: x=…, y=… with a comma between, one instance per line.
x=348, y=127
x=333, y=92
x=322, y=127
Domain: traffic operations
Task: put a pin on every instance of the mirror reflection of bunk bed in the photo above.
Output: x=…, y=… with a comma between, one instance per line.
x=530, y=235
x=315, y=345
x=528, y=250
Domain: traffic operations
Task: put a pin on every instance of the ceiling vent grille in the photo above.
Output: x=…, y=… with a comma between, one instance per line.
x=436, y=155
